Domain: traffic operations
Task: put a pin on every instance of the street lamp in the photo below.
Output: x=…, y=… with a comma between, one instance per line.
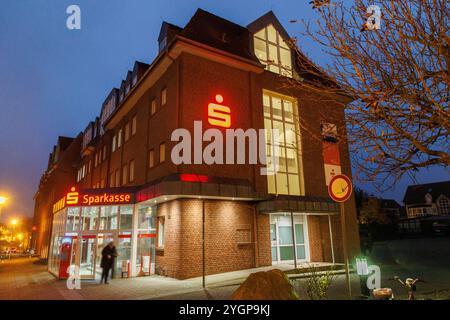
x=3, y=200
x=13, y=223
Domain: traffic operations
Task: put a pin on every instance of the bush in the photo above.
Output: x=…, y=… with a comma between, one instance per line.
x=317, y=284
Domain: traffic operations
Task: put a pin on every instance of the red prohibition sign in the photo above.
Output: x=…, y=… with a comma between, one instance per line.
x=340, y=188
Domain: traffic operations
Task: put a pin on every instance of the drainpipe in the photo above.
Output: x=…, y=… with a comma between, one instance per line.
x=293, y=240
x=331, y=239
x=255, y=236
x=203, y=244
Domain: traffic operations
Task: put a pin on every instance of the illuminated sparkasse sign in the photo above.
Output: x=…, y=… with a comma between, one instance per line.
x=88, y=198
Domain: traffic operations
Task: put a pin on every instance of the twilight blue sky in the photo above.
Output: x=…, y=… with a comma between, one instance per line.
x=53, y=80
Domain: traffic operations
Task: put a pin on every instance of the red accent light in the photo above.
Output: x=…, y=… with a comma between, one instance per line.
x=193, y=178
x=72, y=189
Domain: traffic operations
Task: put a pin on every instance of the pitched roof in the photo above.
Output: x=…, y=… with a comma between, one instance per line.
x=389, y=203
x=219, y=33
x=416, y=193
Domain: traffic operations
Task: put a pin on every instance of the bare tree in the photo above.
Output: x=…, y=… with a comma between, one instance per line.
x=396, y=78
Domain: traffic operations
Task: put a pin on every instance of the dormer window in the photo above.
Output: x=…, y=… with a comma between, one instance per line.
x=272, y=50
x=162, y=44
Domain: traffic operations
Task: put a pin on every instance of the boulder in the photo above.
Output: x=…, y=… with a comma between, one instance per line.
x=266, y=285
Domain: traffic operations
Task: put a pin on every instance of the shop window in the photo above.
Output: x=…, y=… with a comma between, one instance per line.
x=272, y=50
x=161, y=232
x=163, y=97
x=89, y=218
x=133, y=125
x=151, y=158
x=131, y=170
x=280, y=115
x=126, y=217
x=108, y=218
x=162, y=152
x=73, y=219
x=153, y=107
x=146, y=218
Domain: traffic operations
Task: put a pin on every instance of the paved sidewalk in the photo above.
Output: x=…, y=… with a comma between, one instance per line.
x=21, y=279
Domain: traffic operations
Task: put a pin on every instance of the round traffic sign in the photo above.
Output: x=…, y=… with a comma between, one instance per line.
x=340, y=188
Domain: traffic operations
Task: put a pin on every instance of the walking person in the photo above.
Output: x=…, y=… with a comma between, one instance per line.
x=109, y=254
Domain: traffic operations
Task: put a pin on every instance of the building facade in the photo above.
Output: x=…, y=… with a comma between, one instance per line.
x=176, y=212
x=426, y=205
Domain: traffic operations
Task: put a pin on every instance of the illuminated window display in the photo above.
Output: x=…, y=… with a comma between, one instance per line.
x=80, y=234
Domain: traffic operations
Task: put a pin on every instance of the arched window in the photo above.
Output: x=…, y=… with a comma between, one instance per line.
x=444, y=205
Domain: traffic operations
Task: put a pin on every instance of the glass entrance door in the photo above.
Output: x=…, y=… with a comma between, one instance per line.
x=87, y=256
x=283, y=241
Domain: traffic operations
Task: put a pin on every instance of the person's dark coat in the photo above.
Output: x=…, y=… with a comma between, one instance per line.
x=108, y=255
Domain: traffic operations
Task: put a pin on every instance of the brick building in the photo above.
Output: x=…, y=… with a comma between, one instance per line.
x=174, y=218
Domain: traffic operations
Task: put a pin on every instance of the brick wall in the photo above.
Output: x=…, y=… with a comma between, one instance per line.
x=229, y=238
x=319, y=238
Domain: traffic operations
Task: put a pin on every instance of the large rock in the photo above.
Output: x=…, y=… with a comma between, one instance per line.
x=266, y=285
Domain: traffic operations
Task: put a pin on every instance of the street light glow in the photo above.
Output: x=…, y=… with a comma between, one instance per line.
x=14, y=222
x=3, y=200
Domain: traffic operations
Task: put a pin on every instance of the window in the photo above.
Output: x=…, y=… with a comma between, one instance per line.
x=89, y=218
x=151, y=158
x=161, y=232
x=131, y=171
x=272, y=50
x=127, y=90
x=89, y=166
x=119, y=138
x=112, y=180
x=102, y=183
x=163, y=97
x=124, y=175
x=280, y=114
x=108, y=217
x=126, y=217
x=104, y=153
x=162, y=152
x=127, y=131
x=100, y=157
x=114, y=143
x=117, y=178
x=153, y=107
x=134, y=80
x=96, y=160
x=133, y=125
x=444, y=206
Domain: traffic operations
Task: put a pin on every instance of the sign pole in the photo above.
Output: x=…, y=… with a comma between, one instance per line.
x=340, y=189
x=344, y=245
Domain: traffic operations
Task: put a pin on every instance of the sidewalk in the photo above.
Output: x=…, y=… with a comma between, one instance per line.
x=21, y=279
